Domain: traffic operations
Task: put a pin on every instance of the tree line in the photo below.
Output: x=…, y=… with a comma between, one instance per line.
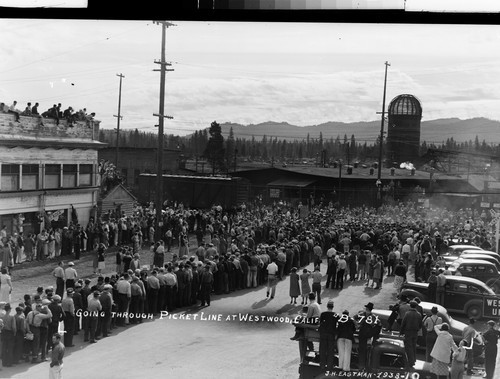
x=220, y=152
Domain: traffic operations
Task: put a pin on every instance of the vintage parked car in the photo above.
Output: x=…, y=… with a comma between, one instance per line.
x=477, y=254
x=457, y=249
x=480, y=269
x=483, y=252
x=463, y=295
x=456, y=327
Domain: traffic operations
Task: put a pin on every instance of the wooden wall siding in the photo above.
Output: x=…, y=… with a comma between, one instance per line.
x=20, y=155
x=118, y=196
x=30, y=126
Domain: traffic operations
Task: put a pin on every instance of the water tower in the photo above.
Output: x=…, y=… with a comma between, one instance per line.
x=403, y=133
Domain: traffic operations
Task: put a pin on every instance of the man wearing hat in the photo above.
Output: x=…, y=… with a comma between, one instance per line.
x=78, y=301
x=70, y=275
x=369, y=326
x=44, y=329
x=56, y=363
x=490, y=338
x=8, y=333
x=68, y=307
x=107, y=304
x=57, y=316
x=20, y=333
x=206, y=282
x=34, y=320
x=410, y=326
x=327, y=331
x=58, y=273
x=94, y=308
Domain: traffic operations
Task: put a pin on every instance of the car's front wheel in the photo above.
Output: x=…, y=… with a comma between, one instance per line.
x=474, y=311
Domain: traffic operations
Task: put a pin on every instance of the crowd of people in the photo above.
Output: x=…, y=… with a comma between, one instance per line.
x=56, y=112
x=254, y=245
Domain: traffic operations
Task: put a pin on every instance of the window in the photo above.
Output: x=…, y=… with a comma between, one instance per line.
x=459, y=287
x=30, y=177
x=69, y=175
x=85, y=175
x=466, y=269
x=10, y=177
x=474, y=289
x=52, y=175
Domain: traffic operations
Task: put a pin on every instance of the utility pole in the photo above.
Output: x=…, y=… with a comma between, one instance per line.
x=161, y=116
x=379, y=172
x=118, y=117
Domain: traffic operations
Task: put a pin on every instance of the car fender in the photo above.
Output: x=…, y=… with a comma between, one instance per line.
x=411, y=294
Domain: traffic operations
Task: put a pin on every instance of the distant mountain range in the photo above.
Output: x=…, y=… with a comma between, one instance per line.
x=433, y=131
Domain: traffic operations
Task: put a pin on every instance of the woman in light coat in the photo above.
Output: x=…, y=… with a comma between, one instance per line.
x=441, y=352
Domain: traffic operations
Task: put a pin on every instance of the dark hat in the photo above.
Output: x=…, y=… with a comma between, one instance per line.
x=413, y=304
x=87, y=281
x=369, y=306
x=434, y=309
x=7, y=306
x=445, y=326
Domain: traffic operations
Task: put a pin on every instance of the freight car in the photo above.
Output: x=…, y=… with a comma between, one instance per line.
x=195, y=191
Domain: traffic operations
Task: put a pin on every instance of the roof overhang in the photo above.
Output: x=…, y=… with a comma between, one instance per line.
x=301, y=183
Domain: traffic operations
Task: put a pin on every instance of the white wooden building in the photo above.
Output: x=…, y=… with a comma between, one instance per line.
x=47, y=171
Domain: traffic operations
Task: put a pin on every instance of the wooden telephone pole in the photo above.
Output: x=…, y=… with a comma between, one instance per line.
x=119, y=117
x=161, y=116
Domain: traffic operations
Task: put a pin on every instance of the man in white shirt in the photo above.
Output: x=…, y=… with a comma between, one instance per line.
x=70, y=275
x=272, y=278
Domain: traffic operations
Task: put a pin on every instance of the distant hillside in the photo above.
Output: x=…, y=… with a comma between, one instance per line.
x=436, y=131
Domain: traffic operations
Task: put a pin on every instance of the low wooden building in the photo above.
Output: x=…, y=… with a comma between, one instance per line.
x=118, y=200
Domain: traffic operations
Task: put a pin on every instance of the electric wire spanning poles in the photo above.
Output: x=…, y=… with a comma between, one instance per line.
x=119, y=117
x=379, y=172
x=161, y=116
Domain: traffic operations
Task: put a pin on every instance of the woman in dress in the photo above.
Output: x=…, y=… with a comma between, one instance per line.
x=57, y=238
x=294, y=286
x=159, y=255
x=7, y=255
x=304, y=283
x=101, y=258
x=441, y=352
x=51, y=244
x=5, y=286
x=377, y=273
x=399, y=276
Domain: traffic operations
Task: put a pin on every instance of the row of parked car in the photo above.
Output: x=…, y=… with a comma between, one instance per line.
x=473, y=289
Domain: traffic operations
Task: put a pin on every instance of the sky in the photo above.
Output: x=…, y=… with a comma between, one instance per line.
x=249, y=72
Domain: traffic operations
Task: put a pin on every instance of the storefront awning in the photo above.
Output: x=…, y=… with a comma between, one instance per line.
x=291, y=183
